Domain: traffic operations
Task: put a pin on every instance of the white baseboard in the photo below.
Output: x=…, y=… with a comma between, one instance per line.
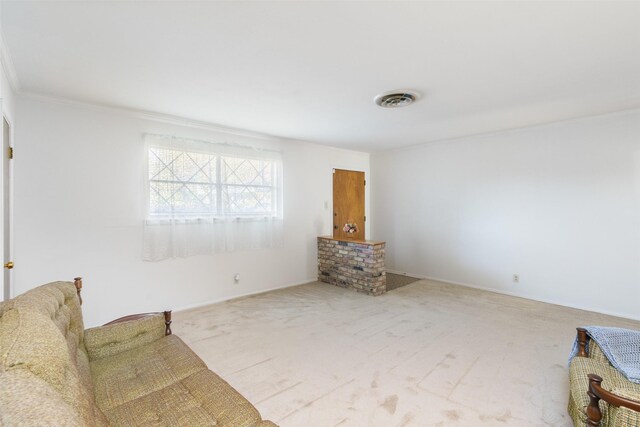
x=419, y=276
x=228, y=298
x=514, y=294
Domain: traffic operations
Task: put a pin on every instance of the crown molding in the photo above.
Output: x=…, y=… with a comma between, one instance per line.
x=154, y=116
x=632, y=108
x=12, y=77
x=175, y=120
x=7, y=65
x=14, y=82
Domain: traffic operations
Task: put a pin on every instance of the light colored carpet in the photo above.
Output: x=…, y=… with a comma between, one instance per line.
x=395, y=281
x=427, y=354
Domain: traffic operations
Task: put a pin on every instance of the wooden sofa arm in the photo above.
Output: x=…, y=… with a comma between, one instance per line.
x=597, y=393
x=167, y=319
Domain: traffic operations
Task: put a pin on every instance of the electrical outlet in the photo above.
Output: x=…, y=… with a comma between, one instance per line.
x=236, y=278
x=516, y=278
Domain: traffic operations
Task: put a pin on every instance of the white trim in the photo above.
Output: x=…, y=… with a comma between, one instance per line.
x=7, y=65
x=621, y=111
x=513, y=294
x=229, y=298
x=153, y=116
x=177, y=121
x=213, y=127
x=12, y=77
x=10, y=173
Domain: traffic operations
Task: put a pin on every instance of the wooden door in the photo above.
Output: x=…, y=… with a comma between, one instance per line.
x=348, y=204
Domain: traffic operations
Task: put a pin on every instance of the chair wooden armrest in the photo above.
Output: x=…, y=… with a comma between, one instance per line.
x=582, y=342
x=167, y=319
x=597, y=393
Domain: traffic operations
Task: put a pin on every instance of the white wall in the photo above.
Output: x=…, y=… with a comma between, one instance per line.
x=6, y=91
x=557, y=204
x=7, y=96
x=79, y=211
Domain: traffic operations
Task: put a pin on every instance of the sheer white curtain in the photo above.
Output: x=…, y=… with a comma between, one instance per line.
x=204, y=198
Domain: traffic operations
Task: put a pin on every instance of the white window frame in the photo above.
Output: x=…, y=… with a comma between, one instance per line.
x=220, y=152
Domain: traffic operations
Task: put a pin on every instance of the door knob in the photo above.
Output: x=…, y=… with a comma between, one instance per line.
x=9, y=265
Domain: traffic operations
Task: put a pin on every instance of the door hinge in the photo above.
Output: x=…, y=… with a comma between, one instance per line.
x=10, y=152
x=365, y=182
x=365, y=218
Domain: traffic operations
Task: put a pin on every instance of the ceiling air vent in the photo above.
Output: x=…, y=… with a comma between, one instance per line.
x=396, y=99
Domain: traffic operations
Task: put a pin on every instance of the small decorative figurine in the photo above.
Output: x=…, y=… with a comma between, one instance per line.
x=350, y=228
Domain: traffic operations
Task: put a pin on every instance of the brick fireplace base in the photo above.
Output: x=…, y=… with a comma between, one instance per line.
x=352, y=264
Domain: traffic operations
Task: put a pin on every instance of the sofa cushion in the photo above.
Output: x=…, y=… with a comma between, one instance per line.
x=220, y=399
x=132, y=374
x=201, y=399
x=20, y=389
x=621, y=416
x=108, y=340
x=170, y=406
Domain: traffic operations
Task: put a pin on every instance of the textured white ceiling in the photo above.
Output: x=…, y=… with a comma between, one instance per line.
x=310, y=70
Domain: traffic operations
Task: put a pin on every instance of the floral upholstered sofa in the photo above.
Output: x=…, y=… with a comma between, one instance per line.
x=599, y=394
x=131, y=372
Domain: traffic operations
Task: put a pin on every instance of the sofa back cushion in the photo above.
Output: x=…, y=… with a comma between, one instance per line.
x=42, y=336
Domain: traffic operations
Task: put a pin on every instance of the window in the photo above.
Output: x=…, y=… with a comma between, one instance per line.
x=190, y=182
x=205, y=198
